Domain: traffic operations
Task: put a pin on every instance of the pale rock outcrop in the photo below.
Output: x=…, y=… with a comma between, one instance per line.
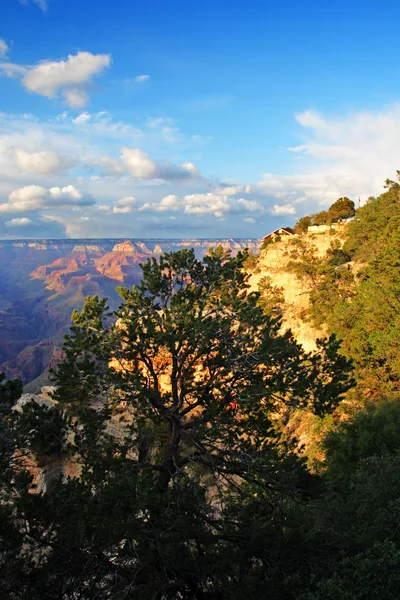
x=273, y=262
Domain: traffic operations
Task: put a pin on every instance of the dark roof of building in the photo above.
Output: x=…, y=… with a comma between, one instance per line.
x=279, y=231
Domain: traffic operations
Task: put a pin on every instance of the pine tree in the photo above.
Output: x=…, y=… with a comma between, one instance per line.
x=170, y=406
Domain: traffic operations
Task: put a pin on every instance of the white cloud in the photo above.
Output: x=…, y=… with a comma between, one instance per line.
x=70, y=77
x=3, y=48
x=105, y=208
x=311, y=119
x=141, y=78
x=170, y=172
x=202, y=204
x=73, y=227
x=194, y=204
x=251, y=205
x=192, y=169
x=351, y=155
x=125, y=205
x=249, y=220
x=18, y=222
x=68, y=191
x=35, y=197
x=12, y=71
x=170, y=202
x=76, y=98
x=285, y=209
x=24, y=199
x=82, y=118
x=231, y=190
x=38, y=152
x=138, y=164
x=44, y=162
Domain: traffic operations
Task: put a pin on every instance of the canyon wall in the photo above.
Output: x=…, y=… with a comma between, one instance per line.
x=274, y=262
x=43, y=281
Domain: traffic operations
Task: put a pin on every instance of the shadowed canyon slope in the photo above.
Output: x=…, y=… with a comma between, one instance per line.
x=42, y=281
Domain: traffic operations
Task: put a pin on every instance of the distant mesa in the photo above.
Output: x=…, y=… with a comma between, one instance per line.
x=144, y=249
x=91, y=250
x=125, y=247
x=42, y=281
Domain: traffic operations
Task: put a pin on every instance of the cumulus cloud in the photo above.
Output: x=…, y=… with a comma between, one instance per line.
x=140, y=166
x=285, y=209
x=73, y=227
x=351, y=155
x=125, y=205
x=249, y=220
x=141, y=78
x=3, y=48
x=230, y=190
x=251, y=205
x=66, y=192
x=18, y=222
x=170, y=202
x=32, y=198
x=193, y=204
x=69, y=78
x=192, y=169
x=202, y=204
x=44, y=162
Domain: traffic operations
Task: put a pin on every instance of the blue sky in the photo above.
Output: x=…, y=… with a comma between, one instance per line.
x=212, y=119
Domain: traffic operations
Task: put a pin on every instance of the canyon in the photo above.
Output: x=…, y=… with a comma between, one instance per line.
x=43, y=281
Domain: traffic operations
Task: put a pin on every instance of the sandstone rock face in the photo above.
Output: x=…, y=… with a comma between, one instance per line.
x=119, y=266
x=144, y=249
x=273, y=262
x=40, y=399
x=89, y=249
x=46, y=469
x=125, y=248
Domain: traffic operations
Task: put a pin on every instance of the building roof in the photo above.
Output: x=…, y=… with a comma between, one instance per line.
x=279, y=231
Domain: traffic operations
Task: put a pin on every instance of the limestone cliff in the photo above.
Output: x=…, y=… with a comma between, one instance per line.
x=274, y=262
x=306, y=429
